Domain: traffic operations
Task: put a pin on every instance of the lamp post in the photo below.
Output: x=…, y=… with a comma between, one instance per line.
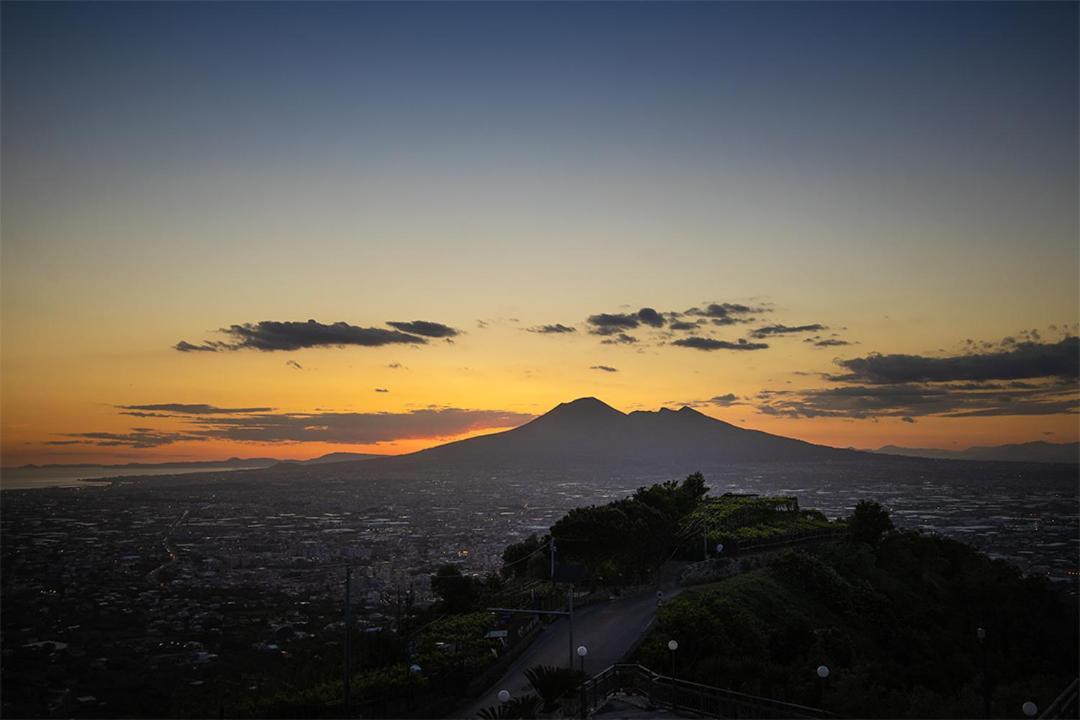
x=672, y=646
x=582, y=651
x=1029, y=708
x=414, y=670
x=823, y=673
x=980, y=635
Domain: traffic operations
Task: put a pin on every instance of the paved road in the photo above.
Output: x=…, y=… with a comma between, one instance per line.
x=608, y=629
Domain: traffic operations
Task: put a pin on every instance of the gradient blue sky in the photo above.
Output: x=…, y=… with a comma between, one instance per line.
x=907, y=170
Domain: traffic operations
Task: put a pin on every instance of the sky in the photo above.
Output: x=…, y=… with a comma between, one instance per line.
x=286, y=229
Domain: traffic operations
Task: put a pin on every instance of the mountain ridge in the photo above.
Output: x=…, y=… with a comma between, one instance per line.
x=588, y=432
x=1038, y=451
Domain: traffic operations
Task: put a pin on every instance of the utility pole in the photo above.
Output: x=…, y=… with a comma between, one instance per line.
x=980, y=634
x=348, y=641
x=552, y=553
x=570, y=607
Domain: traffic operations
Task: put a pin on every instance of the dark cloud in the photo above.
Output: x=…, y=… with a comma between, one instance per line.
x=727, y=313
x=195, y=409
x=785, y=330
x=270, y=335
x=397, y=366
x=605, y=368
x=826, y=342
x=329, y=427
x=294, y=365
x=185, y=346
x=1012, y=361
x=381, y=390
x=356, y=428
x=908, y=420
x=620, y=339
x=650, y=317
x=137, y=438
x=682, y=325
x=557, y=328
x=425, y=328
x=920, y=400
x=726, y=400
x=708, y=344
x=610, y=324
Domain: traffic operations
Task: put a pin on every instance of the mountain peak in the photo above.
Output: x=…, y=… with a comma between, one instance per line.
x=585, y=408
x=582, y=410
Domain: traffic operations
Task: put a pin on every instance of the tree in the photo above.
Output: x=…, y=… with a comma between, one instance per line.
x=869, y=523
x=457, y=591
x=515, y=557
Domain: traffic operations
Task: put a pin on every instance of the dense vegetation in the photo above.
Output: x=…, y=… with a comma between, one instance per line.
x=894, y=617
x=733, y=520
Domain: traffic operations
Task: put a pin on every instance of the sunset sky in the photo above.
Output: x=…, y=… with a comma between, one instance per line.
x=288, y=229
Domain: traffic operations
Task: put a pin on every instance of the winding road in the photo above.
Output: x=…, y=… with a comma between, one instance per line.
x=608, y=629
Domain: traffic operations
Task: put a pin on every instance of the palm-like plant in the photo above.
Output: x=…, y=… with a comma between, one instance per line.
x=552, y=683
x=522, y=708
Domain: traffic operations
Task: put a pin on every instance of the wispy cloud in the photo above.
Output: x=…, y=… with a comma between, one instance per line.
x=195, y=409
x=425, y=328
x=728, y=313
x=768, y=330
x=326, y=427
x=554, y=329
x=710, y=344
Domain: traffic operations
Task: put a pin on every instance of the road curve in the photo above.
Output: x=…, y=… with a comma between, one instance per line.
x=608, y=629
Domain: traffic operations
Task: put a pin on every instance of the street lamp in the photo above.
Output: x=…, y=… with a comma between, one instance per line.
x=823, y=673
x=1029, y=708
x=980, y=635
x=672, y=646
x=582, y=651
x=503, y=695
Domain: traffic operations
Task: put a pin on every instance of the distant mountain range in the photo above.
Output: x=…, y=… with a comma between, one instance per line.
x=1037, y=452
x=590, y=433
x=233, y=462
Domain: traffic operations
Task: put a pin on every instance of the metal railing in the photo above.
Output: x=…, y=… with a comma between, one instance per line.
x=665, y=691
x=1066, y=704
x=799, y=538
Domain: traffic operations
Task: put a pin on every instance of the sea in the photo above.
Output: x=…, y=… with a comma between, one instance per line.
x=25, y=478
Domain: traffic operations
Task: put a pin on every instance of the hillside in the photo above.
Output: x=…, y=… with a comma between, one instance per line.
x=894, y=622
x=1038, y=452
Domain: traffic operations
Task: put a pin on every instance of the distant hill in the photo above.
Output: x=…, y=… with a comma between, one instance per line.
x=588, y=432
x=1038, y=452
x=233, y=462
x=194, y=466
x=335, y=457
